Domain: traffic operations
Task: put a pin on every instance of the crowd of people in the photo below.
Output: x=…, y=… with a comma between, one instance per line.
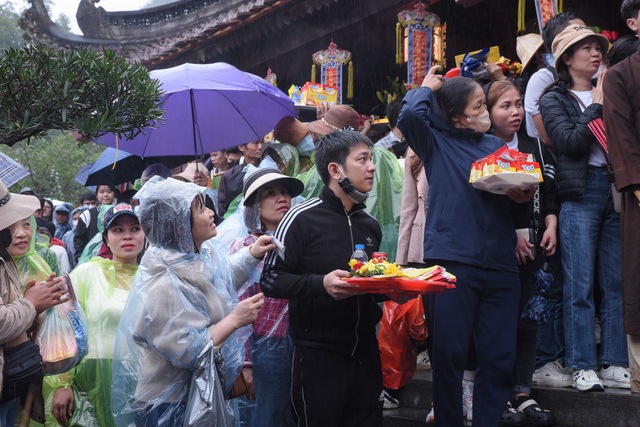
x=229, y=275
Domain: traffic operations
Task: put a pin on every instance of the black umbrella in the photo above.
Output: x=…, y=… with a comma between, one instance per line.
x=116, y=167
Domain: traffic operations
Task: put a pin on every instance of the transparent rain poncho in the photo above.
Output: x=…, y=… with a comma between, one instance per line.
x=101, y=287
x=31, y=265
x=176, y=297
x=42, y=245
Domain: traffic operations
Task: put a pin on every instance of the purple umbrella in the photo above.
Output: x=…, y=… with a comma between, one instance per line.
x=208, y=107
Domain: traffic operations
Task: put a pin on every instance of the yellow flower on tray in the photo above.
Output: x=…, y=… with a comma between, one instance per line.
x=375, y=268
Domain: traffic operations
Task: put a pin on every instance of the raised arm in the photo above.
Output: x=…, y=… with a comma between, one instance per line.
x=414, y=120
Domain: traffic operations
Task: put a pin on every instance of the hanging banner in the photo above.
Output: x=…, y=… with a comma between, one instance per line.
x=419, y=26
x=545, y=9
x=332, y=61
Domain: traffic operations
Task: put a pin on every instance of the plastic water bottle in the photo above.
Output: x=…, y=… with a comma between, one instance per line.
x=359, y=254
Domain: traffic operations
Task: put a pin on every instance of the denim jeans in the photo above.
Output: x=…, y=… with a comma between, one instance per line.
x=8, y=412
x=272, y=380
x=590, y=233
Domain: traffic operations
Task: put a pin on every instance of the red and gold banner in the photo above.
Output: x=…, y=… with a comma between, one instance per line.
x=418, y=47
x=332, y=61
x=545, y=9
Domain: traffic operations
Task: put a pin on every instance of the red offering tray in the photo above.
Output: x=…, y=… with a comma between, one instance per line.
x=398, y=284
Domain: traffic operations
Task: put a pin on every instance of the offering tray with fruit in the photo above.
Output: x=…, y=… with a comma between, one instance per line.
x=381, y=276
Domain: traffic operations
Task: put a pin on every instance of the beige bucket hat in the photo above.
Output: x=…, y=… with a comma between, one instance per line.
x=15, y=207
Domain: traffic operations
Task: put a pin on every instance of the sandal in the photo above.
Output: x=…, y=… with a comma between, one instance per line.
x=533, y=412
x=511, y=417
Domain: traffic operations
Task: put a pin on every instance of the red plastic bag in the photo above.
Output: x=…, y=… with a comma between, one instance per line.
x=402, y=325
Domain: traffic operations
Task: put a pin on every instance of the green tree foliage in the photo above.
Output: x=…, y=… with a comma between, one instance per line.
x=53, y=161
x=94, y=93
x=10, y=33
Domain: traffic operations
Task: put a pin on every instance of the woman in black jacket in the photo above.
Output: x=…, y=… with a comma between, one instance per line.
x=589, y=227
x=540, y=217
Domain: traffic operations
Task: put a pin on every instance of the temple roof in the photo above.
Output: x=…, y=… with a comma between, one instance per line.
x=150, y=36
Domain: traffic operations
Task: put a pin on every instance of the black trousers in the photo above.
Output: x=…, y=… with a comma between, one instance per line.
x=482, y=308
x=335, y=390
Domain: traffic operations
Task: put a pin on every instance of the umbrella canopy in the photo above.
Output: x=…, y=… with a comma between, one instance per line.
x=11, y=171
x=208, y=107
x=83, y=174
x=128, y=167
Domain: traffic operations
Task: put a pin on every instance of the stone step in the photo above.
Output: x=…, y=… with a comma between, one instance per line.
x=571, y=408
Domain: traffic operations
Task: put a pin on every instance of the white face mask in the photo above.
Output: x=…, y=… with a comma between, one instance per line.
x=306, y=146
x=75, y=223
x=480, y=123
x=268, y=162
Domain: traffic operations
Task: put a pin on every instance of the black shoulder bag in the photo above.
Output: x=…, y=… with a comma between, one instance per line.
x=22, y=367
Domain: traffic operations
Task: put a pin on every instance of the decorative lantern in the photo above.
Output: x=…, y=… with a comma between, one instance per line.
x=332, y=61
x=415, y=45
x=545, y=10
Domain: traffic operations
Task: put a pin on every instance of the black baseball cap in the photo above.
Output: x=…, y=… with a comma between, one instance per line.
x=116, y=211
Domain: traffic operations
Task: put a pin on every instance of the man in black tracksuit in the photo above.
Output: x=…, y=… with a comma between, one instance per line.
x=336, y=375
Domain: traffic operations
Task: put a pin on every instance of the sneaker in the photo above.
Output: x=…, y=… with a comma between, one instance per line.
x=553, y=374
x=587, y=380
x=467, y=399
x=389, y=402
x=431, y=417
x=511, y=417
x=616, y=377
x=423, y=358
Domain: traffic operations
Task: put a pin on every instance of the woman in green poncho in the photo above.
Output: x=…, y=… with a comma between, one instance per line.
x=82, y=397
x=31, y=265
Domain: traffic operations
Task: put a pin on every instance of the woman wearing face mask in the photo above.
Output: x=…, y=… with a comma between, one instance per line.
x=539, y=216
x=67, y=239
x=589, y=227
x=181, y=300
x=471, y=234
x=267, y=197
x=83, y=395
